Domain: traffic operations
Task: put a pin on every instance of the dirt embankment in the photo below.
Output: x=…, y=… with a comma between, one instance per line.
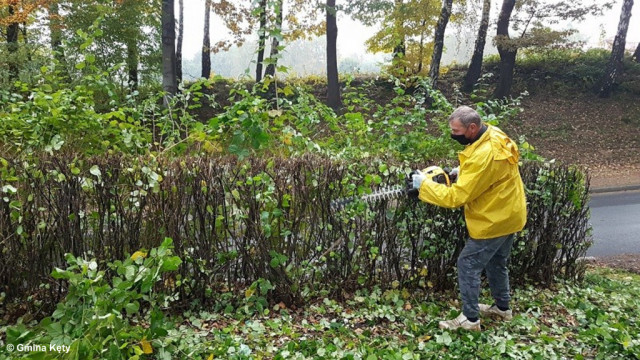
x=601, y=134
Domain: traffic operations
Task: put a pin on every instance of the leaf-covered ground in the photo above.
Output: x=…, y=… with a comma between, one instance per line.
x=581, y=128
x=597, y=319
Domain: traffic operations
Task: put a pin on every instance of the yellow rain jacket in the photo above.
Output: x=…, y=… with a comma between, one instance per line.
x=488, y=186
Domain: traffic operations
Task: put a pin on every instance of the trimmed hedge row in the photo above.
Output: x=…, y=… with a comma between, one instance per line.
x=234, y=223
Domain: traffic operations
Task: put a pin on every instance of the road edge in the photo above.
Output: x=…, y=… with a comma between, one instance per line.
x=614, y=189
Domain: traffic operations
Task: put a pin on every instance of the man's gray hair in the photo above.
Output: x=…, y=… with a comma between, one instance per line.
x=466, y=115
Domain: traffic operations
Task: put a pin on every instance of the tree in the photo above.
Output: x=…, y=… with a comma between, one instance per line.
x=369, y=12
x=614, y=66
x=130, y=15
x=405, y=27
x=130, y=33
x=443, y=20
x=13, y=29
x=13, y=13
x=636, y=54
x=333, y=89
x=275, y=40
x=180, y=37
x=236, y=16
x=300, y=20
x=206, y=42
x=169, y=83
x=55, y=28
x=532, y=19
x=506, y=50
x=133, y=62
x=399, y=41
x=262, y=37
x=475, y=67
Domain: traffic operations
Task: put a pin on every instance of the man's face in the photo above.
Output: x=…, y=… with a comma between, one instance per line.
x=458, y=129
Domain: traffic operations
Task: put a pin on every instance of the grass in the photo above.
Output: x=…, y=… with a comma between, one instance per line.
x=597, y=319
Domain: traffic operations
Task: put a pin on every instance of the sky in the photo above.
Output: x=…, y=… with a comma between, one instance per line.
x=352, y=35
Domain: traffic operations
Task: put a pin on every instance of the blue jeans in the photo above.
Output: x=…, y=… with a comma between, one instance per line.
x=490, y=255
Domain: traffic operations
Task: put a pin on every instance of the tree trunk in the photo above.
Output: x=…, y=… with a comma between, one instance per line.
x=180, y=37
x=475, y=67
x=55, y=27
x=506, y=50
x=400, y=49
x=132, y=64
x=443, y=20
x=262, y=40
x=169, y=83
x=275, y=43
x=12, y=45
x=421, y=52
x=206, y=42
x=25, y=39
x=614, y=67
x=333, y=89
x=636, y=54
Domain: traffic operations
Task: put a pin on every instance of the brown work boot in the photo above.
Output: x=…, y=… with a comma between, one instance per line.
x=493, y=312
x=460, y=322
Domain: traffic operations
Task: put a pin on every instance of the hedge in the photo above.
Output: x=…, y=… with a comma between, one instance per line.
x=236, y=222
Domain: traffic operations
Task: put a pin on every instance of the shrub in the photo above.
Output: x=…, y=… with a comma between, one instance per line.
x=96, y=315
x=234, y=223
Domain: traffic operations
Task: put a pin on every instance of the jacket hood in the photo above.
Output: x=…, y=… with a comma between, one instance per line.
x=502, y=147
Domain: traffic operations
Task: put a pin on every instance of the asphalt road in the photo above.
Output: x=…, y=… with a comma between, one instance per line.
x=615, y=218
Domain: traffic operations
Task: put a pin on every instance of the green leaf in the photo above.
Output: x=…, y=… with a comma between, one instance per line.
x=167, y=243
x=171, y=263
x=60, y=274
x=130, y=271
x=55, y=329
x=132, y=308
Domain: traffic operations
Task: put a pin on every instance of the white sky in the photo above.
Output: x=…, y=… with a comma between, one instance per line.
x=352, y=35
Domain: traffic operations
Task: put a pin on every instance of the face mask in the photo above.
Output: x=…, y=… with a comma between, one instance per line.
x=461, y=139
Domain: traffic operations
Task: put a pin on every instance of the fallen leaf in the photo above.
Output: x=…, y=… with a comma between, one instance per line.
x=146, y=346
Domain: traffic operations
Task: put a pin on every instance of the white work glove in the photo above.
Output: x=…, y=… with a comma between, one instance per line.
x=418, y=178
x=454, y=174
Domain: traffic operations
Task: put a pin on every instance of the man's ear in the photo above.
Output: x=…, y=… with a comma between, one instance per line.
x=474, y=128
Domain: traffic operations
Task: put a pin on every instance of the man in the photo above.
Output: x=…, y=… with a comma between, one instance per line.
x=491, y=190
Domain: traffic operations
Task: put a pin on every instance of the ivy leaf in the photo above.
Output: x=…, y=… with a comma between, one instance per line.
x=444, y=339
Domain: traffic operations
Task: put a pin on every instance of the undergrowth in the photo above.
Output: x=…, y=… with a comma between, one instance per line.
x=593, y=320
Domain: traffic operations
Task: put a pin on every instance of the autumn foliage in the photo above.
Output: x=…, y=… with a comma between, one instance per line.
x=18, y=11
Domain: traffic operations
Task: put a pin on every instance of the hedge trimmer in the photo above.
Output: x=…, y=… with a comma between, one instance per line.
x=436, y=173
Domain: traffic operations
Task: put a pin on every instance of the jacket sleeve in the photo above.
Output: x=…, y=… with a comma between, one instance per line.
x=476, y=176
